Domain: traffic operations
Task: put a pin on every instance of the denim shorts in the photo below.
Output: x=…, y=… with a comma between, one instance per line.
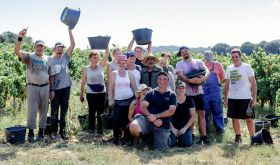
x=161, y=137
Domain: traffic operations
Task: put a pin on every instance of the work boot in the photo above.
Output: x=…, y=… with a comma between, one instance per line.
x=238, y=139
x=40, y=136
x=31, y=136
x=63, y=135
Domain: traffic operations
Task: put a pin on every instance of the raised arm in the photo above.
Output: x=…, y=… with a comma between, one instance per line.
x=21, y=35
x=149, y=49
x=130, y=45
x=105, y=58
x=72, y=43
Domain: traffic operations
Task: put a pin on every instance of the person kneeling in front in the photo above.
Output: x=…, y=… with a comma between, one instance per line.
x=157, y=108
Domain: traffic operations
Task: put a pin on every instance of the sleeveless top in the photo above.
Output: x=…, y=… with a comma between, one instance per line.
x=122, y=89
x=95, y=77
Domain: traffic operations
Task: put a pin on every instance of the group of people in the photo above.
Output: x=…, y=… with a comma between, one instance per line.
x=152, y=101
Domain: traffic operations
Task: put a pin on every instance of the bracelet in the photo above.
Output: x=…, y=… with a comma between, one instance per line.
x=19, y=38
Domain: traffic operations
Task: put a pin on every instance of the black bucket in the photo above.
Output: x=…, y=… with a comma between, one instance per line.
x=82, y=120
x=16, y=134
x=262, y=124
x=99, y=42
x=262, y=136
x=107, y=120
x=48, y=126
x=70, y=17
x=142, y=36
x=273, y=119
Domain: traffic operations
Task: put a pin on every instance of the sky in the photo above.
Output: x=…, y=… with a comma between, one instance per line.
x=192, y=23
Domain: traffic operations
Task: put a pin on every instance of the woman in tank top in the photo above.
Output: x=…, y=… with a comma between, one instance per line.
x=93, y=76
x=120, y=94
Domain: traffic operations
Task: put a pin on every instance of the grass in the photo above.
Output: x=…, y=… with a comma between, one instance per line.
x=85, y=149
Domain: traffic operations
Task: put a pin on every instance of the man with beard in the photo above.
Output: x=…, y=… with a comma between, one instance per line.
x=60, y=61
x=149, y=74
x=194, y=88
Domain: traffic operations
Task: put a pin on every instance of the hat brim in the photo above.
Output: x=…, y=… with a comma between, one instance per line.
x=144, y=61
x=149, y=88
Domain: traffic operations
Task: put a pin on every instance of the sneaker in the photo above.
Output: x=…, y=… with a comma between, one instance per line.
x=205, y=140
x=53, y=135
x=63, y=136
x=238, y=139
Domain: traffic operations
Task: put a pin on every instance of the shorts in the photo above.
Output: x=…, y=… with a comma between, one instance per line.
x=237, y=108
x=161, y=137
x=198, y=102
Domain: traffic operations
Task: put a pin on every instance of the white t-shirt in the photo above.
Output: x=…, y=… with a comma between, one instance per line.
x=239, y=85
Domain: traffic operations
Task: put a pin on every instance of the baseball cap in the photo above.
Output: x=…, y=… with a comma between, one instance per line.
x=129, y=54
x=180, y=84
x=180, y=49
x=39, y=42
x=59, y=44
x=208, y=55
x=162, y=73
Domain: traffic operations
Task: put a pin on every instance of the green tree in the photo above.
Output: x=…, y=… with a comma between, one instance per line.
x=247, y=48
x=272, y=47
x=221, y=48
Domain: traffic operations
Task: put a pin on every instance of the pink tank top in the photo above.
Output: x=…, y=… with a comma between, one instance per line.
x=137, y=109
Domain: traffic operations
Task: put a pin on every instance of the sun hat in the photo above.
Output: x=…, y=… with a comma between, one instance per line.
x=141, y=87
x=121, y=58
x=149, y=56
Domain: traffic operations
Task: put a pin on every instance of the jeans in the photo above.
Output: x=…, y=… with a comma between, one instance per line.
x=184, y=140
x=96, y=104
x=61, y=100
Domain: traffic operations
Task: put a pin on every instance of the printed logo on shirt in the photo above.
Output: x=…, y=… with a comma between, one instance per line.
x=39, y=65
x=234, y=76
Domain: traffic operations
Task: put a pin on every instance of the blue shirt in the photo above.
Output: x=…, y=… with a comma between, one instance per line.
x=159, y=103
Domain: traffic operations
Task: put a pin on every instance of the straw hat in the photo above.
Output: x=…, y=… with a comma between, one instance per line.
x=141, y=87
x=149, y=56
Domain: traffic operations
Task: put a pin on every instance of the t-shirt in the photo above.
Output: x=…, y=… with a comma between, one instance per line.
x=95, y=76
x=39, y=68
x=61, y=78
x=137, y=75
x=139, y=62
x=182, y=114
x=159, y=103
x=188, y=66
x=239, y=85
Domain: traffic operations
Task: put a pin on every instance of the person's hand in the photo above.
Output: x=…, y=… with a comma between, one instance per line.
x=52, y=95
x=157, y=122
x=253, y=103
x=82, y=99
x=225, y=103
x=194, y=80
x=22, y=33
x=182, y=131
x=175, y=131
x=111, y=102
x=152, y=118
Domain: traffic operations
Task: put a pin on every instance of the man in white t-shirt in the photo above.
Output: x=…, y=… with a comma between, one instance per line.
x=240, y=94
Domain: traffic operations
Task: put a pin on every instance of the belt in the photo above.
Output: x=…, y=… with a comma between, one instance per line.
x=38, y=85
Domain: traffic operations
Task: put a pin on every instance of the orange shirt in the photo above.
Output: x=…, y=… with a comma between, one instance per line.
x=218, y=68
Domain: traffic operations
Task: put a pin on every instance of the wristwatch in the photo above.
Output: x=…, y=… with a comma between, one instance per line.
x=157, y=116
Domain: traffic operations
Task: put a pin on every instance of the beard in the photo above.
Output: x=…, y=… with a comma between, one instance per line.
x=186, y=57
